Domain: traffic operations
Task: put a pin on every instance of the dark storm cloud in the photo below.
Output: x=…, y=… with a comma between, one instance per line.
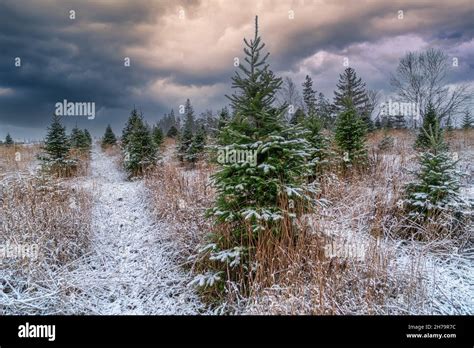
x=174, y=58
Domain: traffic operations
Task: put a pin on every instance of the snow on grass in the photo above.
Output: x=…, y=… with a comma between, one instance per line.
x=132, y=267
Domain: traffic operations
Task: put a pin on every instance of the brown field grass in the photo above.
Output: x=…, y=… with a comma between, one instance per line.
x=296, y=276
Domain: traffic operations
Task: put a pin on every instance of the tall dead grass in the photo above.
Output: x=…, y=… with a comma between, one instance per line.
x=50, y=216
x=375, y=270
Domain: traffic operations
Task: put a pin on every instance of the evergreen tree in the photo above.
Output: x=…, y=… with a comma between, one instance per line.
x=109, y=138
x=350, y=87
x=133, y=118
x=88, y=138
x=56, y=142
x=186, y=136
x=197, y=146
x=467, y=121
x=309, y=96
x=76, y=137
x=436, y=189
x=449, y=124
x=350, y=134
x=140, y=150
x=298, y=117
x=399, y=122
x=158, y=136
x=224, y=118
x=378, y=123
x=56, y=146
x=430, y=121
x=251, y=193
x=317, y=141
x=172, y=132
x=9, y=140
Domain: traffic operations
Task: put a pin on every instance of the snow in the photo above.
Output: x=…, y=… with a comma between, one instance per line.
x=132, y=267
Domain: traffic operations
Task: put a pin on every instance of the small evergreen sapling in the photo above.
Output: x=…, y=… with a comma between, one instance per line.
x=9, y=140
x=467, y=120
x=351, y=135
x=56, y=146
x=436, y=188
x=109, y=138
x=140, y=152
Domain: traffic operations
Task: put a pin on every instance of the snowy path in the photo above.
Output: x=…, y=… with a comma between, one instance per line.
x=131, y=267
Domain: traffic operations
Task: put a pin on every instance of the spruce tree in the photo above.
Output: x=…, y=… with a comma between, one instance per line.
x=76, y=137
x=172, y=132
x=109, y=138
x=224, y=118
x=134, y=117
x=56, y=142
x=350, y=87
x=298, y=117
x=88, y=138
x=140, y=150
x=467, y=121
x=158, y=136
x=350, y=134
x=196, y=148
x=399, y=122
x=186, y=136
x=56, y=146
x=430, y=121
x=251, y=193
x=309, y=96
x=318, y=152
x=436, y=187
x=9, y=140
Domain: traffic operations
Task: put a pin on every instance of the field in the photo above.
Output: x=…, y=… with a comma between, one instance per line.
x=98, y=243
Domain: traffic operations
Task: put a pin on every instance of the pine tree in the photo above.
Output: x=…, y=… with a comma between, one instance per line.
x=76, y=137
x=378, y=123
x=56, y=142
x=134, y=117
x=309, y=96
x=298, y=117
x=350, y=135
x=140, y=150
x=449, y=124
x=56, y=147
x=467, y=121
x=317, y=141
x=350, y=87
x=172, y=132
x=186, y=136
x=399, y=122
x=88, y=138
x=436, y=189
x=196, y=148
x=251, y=192
x=157, y=136
x=430, y=121
x=224, y=118
x=9, y=140
x=109, y=138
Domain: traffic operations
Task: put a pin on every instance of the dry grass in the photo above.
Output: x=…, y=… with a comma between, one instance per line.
x=181, y=196
x=378, y=272
x=18, y=157
x=43, y=214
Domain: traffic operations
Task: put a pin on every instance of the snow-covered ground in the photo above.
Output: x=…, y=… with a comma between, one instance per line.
x=132, y=266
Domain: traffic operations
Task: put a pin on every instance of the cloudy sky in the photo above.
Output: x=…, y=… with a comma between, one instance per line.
x=186, y=49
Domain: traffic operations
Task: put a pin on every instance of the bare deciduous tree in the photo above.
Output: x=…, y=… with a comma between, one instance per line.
x=290, y=95
x=422, y=78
